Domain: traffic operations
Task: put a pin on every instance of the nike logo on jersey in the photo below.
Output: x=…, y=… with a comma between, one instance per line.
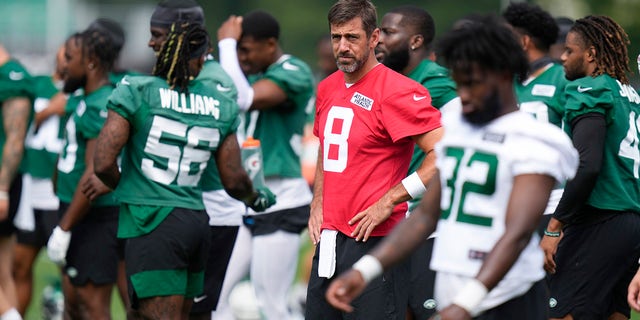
x=15, y=76
x=582, y=89
x=221, y=88
x=124, y=81
x=199, y=298
x=288, y=66
x=418, y=98
x=362, y=101
x=104, y=113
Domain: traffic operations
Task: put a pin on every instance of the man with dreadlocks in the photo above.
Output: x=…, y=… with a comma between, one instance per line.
x=496, y=169
x=591, y=243
x=84, y=241
x=170, y=126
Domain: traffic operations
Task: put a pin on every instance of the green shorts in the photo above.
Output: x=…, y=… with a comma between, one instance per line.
x=171, y=259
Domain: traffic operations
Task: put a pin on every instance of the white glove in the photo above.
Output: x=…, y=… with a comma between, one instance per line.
x=58, y=245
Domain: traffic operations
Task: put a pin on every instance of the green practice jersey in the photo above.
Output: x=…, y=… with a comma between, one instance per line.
x=543, y=95
x=173, y=136
x=280, y=128
x=442, y=90
x=15, y=81
x=220, y=80
x=618, y=185
x=83, y=125
x=42, y=145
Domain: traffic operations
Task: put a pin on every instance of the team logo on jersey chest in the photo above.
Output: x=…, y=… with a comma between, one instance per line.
x=362, y=101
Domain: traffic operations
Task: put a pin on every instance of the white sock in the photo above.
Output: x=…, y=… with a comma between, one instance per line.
x=11, y=314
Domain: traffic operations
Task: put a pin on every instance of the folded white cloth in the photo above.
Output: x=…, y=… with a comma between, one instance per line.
x=327, y=259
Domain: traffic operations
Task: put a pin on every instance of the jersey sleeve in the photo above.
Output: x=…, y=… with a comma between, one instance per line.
x=291, y=76
x=90, y=121
x=547, y=151
x=587, y=95
x=15, y=81
x=125, y=99
x=441, y=88
x=409, y=113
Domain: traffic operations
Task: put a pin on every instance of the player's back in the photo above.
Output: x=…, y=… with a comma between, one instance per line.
x=173, y=136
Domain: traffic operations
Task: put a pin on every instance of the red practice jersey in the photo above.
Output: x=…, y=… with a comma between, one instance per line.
x=365, y=134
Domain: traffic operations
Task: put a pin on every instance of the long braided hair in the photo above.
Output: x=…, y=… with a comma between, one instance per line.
x=610, y=42
x=184, y=42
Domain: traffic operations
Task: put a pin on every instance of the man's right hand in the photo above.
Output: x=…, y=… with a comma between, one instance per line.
x=58, y=245
x=315, y=221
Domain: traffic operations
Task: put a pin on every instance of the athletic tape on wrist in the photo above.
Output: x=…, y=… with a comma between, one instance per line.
x=414, y=185
x=471, y=295
x=369, y=267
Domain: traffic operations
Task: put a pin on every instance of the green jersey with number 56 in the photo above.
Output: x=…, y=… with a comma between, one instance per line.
x=618, y=184
x=173, y=136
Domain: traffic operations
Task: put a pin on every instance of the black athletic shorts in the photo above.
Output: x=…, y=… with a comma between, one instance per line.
x=223, y=238
x=7, y=227
x=385, y=298
x=45, y=222
x=171, y=259
x=422, y=303
x=290, y=220
x=594, y=265
x=94, y=250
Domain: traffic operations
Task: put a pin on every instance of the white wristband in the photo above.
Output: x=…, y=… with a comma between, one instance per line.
x=369, y=267
x=4, y=195
x=471, y=295
x=414, y=185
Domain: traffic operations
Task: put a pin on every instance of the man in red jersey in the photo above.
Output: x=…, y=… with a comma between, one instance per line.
x=368, y=118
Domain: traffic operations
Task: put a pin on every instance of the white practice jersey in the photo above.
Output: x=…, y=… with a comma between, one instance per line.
x=477, y=167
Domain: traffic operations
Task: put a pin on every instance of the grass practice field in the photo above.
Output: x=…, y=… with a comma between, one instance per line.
x=47, y=273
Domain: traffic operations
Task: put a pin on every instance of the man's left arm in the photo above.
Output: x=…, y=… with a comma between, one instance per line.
x=15, y=118
x=411, y=186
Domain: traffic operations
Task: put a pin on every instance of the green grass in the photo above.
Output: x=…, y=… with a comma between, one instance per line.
x=45, y=272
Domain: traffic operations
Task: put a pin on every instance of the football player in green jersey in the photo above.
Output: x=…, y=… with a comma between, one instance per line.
x=542, y=93
x=406, y=36
x=16, y=99
x=38, y=213
x=225, y=212
x=591, y=243
x=84, y=241
x=276, y=93
x=169, y=126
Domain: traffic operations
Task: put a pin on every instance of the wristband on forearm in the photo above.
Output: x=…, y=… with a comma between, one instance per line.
x=369, y=267
x=414, y=186
x=471, y=295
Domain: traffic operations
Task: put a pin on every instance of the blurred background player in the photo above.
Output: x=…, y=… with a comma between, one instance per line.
x=405, y=46
x=277, y=92
x=557, y=48
x=38, y=210
x=542, y=93
x=16, y=100
x=84, y=242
